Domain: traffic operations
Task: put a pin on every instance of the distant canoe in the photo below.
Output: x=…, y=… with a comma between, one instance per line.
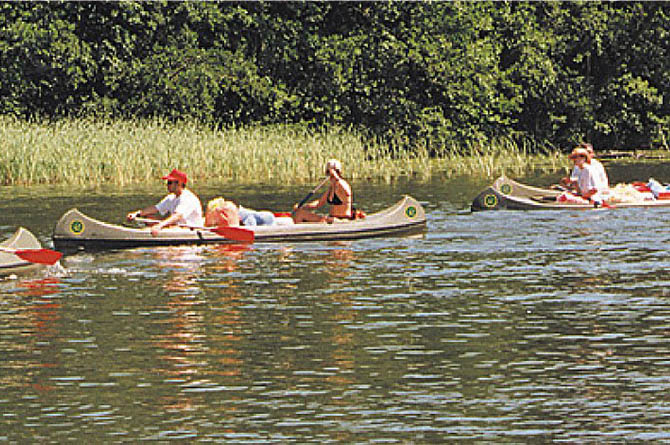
x=505, y=193
x=76, y=231
x=12, y=264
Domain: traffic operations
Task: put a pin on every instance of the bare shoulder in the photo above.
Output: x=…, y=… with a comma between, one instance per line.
x=344, y=186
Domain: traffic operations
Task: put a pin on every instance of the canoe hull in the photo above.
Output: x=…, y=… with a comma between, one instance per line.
x=76, y=231
x=506, y=194
x=11, y=264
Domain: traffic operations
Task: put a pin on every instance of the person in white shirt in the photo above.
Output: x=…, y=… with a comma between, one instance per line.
x=182, y=205
x=599, y=171
x=590, y=185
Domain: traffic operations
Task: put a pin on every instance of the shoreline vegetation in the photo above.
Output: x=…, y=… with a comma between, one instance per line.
x=410, y=74
x=92, y=152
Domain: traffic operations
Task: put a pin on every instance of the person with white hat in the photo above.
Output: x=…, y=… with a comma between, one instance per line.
x=589, y=186
x=600, y=174
x=338, y=196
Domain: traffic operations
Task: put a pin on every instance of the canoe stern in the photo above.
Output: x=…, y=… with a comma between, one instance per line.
x=12, y=264
x=493, y=197
x=506, y=193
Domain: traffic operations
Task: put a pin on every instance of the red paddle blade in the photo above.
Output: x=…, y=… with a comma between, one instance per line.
x=41, y=256
x=235, y=233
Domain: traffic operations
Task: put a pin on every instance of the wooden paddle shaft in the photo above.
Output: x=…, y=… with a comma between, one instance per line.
x=150, y=221
x=229, y=232
x=302, y=203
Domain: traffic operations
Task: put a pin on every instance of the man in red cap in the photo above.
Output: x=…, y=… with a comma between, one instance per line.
x=182, y=205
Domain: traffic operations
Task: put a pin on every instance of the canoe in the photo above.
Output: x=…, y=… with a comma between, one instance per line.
x=76, y=231
x=505, y=193
x=12, y=264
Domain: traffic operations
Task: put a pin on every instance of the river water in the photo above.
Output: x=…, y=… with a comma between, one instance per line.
x=493, y=326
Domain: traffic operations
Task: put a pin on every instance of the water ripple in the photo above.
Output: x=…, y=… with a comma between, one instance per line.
x=500, y=326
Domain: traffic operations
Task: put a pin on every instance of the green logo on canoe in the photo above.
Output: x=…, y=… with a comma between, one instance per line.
x=410, y=211
x=76, y=227
x=490, y=201
x=506, y=189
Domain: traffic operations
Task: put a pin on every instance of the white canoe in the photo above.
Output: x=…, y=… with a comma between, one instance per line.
x=506, y=193
x=76, y=231
x=12, y=264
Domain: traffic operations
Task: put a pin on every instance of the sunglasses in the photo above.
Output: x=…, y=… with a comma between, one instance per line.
x=172, y=182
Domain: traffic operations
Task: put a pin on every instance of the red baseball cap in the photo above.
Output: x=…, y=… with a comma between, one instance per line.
x=176, y=175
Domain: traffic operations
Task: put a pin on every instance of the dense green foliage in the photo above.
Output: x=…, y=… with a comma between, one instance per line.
x=426, y=75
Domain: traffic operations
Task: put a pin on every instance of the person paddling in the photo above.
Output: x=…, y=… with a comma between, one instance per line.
x=182, y=205
x=599, y=170
x=338, y=196
x=589, y=186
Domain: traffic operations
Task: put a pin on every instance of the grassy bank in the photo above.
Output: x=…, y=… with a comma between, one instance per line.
x=90, y=152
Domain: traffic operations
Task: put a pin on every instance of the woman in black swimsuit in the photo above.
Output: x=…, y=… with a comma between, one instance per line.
x=338, y=196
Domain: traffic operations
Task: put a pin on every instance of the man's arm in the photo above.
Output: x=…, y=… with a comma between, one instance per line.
x=147, y=211
x=169, y=221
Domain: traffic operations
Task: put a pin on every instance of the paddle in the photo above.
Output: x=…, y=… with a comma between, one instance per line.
x=233, y=233
x=543, y=198
x=40, y=256
x=302, y=203
x=603, y=204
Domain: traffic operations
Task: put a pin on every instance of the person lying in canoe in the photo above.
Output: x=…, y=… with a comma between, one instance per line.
x=222, y=212
x=590, y=186
x=570, y=182
x=182, y=205
x=338, y=196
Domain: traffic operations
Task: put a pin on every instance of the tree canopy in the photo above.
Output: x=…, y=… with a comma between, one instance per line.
x=416, y=74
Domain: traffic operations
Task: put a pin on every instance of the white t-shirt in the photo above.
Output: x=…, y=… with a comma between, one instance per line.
x=187, y=205
x=574, y=176
x=603, y=182
x=588, y=180
x=599, y=173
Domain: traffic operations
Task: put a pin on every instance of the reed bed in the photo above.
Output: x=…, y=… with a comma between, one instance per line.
x=90, y=152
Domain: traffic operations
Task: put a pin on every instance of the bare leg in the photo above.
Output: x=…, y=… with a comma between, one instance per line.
x=302, y=215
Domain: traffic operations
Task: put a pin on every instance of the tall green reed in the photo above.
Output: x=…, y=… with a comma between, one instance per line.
x=90, y=152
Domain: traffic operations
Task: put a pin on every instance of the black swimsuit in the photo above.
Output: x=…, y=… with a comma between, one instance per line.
x=335, y=201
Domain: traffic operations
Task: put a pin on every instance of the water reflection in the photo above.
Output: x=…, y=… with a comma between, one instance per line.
x=34, y=316
x=496, y=327
x=339, y=262
x=181, y=337
x=228, y=256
